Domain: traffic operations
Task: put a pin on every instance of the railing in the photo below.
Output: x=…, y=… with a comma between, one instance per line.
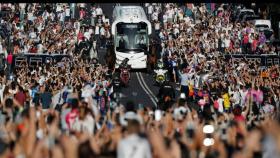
x=34, y=60
x=264, y=59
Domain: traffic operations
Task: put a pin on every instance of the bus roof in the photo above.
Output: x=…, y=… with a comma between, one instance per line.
x=125, y=12
x=129, y=14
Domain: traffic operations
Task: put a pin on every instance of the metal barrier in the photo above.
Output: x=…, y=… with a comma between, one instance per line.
x=264, y=59
x=34, y=60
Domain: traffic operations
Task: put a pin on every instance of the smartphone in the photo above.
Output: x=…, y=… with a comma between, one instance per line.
x=158, y=115
x=208, y=129
x=140, y=106
x=208, y=142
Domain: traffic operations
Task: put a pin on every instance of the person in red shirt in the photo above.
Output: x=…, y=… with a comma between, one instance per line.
x=20, y=96
x=246, y=42
x=9, y=62
x=237, y=111
x=80, y=35
x=33, y=49
x=255, y=44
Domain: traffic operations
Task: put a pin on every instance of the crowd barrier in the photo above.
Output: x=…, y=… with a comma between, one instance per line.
x=264, y=59
x=34, y=60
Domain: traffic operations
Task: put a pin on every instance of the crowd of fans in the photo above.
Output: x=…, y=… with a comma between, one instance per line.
x=227, y=108
x=52, y=29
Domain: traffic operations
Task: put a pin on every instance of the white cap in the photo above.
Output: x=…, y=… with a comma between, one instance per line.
x=130, y=116
x=178, y=113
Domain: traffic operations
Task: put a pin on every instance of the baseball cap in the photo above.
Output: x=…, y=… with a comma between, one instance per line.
x=130, y=116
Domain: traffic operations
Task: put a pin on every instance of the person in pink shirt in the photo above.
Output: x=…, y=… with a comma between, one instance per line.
x=82, y=13
x=259, y=95
x=73, y=114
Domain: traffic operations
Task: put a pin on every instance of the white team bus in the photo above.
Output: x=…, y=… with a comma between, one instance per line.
x=131, y=30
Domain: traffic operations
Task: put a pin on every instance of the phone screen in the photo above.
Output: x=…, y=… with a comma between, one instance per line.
x=157, y=115
x=140, y=106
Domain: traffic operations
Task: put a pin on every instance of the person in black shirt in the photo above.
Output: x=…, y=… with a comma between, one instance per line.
x=122, y=43
x=166, y=95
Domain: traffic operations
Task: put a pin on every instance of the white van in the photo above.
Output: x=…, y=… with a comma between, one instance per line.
x=265, y=27
x=262, y=23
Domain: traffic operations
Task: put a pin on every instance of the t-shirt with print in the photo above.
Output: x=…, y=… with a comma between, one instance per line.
x=134, y=146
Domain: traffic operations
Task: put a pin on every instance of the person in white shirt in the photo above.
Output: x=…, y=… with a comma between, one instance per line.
x=61, y=16
x=93, y=16
x=87, y=34
x=67, y=13
x=133, y=146
x=227, y=42
x=40, y=48
x=164, y=18
x=157, y=26
x=243, y=93
x=30, y=16
x=221, y=104
x=155, y=16
x=235, y=96
x=85, y=122
x=150, y=11
x=97, y=29
x=99, y=11
x=185, y=79
x=1, y=48
x=32, y=35
x=82, y=5
x=2, y=87
x=45, y=15
x=77, y=26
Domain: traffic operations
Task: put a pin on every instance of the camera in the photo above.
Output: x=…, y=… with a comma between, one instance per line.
x=158, y=115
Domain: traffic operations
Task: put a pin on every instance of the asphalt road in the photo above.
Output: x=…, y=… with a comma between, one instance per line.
x=141, y=89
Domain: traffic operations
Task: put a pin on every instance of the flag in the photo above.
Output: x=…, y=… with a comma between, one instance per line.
x=111, y=91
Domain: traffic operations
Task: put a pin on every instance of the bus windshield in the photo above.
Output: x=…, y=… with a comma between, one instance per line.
x=131, y=37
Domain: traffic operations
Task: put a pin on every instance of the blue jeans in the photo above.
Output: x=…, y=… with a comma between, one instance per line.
x=185, y=89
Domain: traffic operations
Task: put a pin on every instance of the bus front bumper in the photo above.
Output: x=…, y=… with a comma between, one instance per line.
x=135, y=64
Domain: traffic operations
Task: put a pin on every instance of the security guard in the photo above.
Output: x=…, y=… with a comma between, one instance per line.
x=166, y=95
x=116, y=82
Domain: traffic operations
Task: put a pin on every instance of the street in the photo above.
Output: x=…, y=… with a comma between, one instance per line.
x=141, y=89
